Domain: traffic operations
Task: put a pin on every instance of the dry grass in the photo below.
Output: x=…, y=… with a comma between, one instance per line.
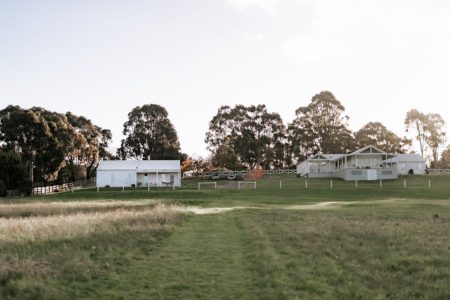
x=41, y=228
x=62, y=208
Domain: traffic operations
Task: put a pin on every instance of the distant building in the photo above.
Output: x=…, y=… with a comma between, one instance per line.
x=408, y=164
x=368, y=163
x=154, y=173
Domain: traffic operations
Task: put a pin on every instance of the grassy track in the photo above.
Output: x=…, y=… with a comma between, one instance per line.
x=390, y=243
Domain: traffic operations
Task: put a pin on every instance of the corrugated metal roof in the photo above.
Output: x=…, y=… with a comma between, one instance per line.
x=144, y=165
x=406, y=158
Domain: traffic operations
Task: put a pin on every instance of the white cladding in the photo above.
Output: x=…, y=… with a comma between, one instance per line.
x=409, y=164
x=154, y=173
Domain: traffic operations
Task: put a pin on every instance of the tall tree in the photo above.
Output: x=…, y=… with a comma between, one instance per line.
x=149, y=135
x=45, y=140
x=376, y=134
x=14, y=172
x=444, y=163
x=418, y=121
x=430, y=132
x=322, y=126
x=92, y=144
x=436, y=137
x=246, y=136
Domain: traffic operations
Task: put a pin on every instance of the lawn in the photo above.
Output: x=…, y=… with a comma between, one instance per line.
x=387, y=242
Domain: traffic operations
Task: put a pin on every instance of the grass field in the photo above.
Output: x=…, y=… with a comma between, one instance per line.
x=370, y=242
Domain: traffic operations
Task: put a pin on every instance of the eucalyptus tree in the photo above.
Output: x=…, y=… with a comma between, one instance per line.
x=321, y=126
x=92, y=144
x=149, y=135
x=430, y=131
x=246, y=137
x=376, y=134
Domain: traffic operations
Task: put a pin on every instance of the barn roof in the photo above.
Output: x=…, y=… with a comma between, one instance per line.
x=139, y=165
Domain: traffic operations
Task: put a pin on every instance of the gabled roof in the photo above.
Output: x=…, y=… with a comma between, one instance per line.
x=139, y=165
x=406, y=158
x=368, y=149
x=330, y=157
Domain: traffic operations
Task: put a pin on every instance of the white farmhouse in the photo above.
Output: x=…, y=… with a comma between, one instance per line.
x=154, y=173
x=408, y=164
x=368, y=163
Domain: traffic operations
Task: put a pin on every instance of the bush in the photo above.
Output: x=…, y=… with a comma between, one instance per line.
x=2, y=188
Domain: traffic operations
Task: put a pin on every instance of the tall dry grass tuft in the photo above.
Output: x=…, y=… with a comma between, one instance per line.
x=62, y=208
x=40, y=228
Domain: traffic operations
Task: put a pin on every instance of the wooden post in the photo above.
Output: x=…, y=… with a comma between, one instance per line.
x=198, y=185
x=239, y=185
x=281, y=184
x=215, y=185
x=381, y=183
x=148, y=186
x=331, y=184
x=356, y=183
x=98, y=189
x=404, y=183
x=429, y=183
x=306, y=184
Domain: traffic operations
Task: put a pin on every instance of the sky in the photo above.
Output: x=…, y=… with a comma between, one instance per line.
x=102, y=58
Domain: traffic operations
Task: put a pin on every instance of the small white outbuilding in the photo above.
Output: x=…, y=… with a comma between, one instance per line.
x=153, y=173
x=412, y=164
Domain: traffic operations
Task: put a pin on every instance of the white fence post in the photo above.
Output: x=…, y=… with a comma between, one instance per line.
x=381, y=183
x=148, y=186
x=281, y=184
x=404, y=183
x=98, y=189
x=331, y=184
x=356, y=183
x=306, y=184
x=429, y=183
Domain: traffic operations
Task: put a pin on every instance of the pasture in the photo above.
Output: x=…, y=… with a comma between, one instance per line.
x=320, y=242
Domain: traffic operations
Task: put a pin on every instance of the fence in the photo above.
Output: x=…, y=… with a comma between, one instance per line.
x=438, y=171
x=245, y=172
x=51, y=189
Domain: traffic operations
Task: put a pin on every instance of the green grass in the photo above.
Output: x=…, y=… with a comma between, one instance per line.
x=396, y=248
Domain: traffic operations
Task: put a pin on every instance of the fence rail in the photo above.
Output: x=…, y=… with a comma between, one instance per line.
x=438, y=171
x=245, y=172
x=55, y=188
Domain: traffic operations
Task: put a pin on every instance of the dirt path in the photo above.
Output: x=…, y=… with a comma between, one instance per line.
x=217, y=210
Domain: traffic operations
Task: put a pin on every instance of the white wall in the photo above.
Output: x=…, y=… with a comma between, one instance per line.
x=417, y=167
x=115, y=178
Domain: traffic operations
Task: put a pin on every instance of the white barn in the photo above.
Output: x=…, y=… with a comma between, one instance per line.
x=406, y=164
x=154, y=173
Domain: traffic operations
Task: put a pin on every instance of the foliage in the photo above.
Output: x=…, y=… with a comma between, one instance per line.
x=444, y=163
x=376, y=134
x=47, y=140
x=149, y=135
x=320, y=127
x=92, y=145
x=430, y=131
x=14, y=172
x=246, y=137
x=196, y=164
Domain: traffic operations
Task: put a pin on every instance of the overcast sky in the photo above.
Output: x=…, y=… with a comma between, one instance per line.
x=102, y=58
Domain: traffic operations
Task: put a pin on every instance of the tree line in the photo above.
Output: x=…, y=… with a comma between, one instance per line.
x=37, y=145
